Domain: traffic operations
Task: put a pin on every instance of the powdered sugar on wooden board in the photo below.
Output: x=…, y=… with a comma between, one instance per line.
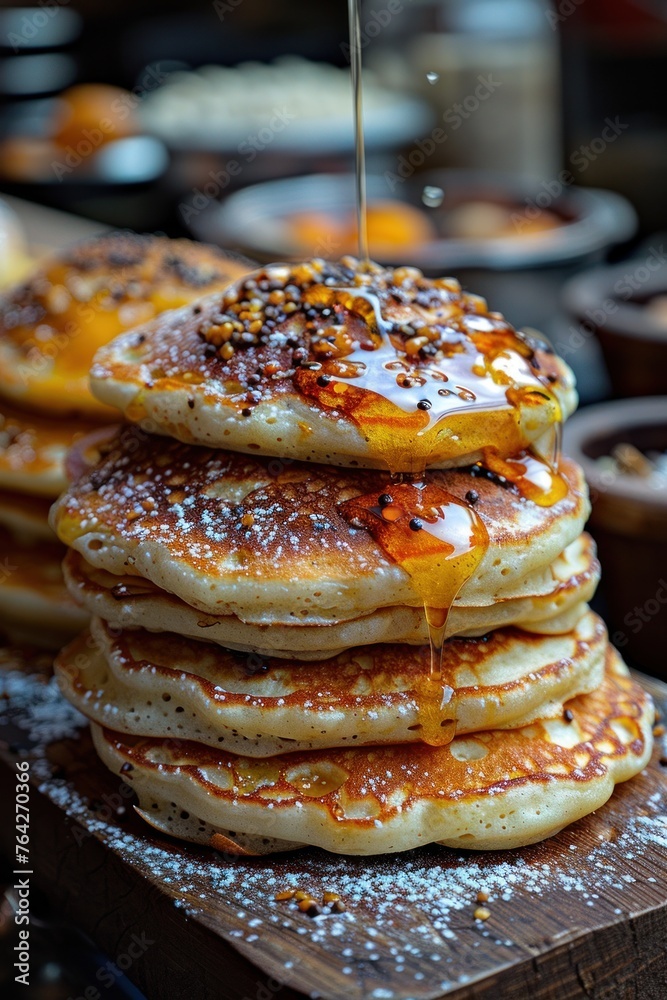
x=409, y=926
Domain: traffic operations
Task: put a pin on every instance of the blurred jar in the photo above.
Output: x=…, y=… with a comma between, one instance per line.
x=490, y=70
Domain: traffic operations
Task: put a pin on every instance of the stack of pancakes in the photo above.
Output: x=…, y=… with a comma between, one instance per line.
x=50, y=328
x=338, y=576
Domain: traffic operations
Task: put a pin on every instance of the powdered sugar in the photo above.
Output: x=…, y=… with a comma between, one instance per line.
x=409, y=928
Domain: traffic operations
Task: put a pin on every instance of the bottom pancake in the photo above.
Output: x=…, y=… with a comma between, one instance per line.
x=162, y=685
x=133, y=601
x=494, y=790
x=35, y=606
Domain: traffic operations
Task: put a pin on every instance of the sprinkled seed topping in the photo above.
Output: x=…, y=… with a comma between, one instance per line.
x=481, y=913
x=253, y=310
x=567, y=715
x=384, y=499
x=416, y=524
x=472, y=496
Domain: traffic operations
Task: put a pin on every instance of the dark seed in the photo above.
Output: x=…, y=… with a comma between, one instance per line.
x=424, y=404
x=567, y=715
x=191, y=403
x=472, y=496
x=126, y=767
x=385, y=499
x=415, y=524
x=323, y=380
x=246, y=412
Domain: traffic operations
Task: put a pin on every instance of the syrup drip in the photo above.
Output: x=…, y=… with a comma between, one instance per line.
x=536, y=478
x=439, y=541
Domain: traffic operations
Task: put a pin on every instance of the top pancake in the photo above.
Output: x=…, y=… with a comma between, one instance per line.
x=52, y=324
x=339, y=364
x=276, y=542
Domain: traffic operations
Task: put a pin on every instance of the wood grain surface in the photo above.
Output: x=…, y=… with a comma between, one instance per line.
x=581, y=915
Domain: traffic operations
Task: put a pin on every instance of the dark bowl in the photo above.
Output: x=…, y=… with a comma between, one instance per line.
x=610, y=304
x=629, y=523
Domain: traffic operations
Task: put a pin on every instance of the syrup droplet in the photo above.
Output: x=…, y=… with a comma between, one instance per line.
x=432, y=196
x=432, y=77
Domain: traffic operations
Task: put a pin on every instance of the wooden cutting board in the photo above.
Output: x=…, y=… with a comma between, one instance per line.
x=581, y=915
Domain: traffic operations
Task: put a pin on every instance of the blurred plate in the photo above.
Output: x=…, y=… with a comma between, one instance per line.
x=257, y=219
x=290, y=105
x=387, y=127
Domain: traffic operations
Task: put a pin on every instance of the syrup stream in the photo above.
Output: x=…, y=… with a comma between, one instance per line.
x=359, y=148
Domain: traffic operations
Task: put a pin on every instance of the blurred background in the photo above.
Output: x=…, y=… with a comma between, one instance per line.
x=513, y=142
x=520, y=145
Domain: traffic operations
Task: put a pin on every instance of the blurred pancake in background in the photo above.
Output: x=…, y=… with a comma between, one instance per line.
x=50, y=327
x=52, y=324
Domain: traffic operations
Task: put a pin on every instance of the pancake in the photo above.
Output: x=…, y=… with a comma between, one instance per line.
x=33, y=449
x=337, y=364
x=279, y=544
x=494, y=790
x=26, y=517
x=162, y=685
x=132, y=602
x=52, y=324
x=35, y=606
